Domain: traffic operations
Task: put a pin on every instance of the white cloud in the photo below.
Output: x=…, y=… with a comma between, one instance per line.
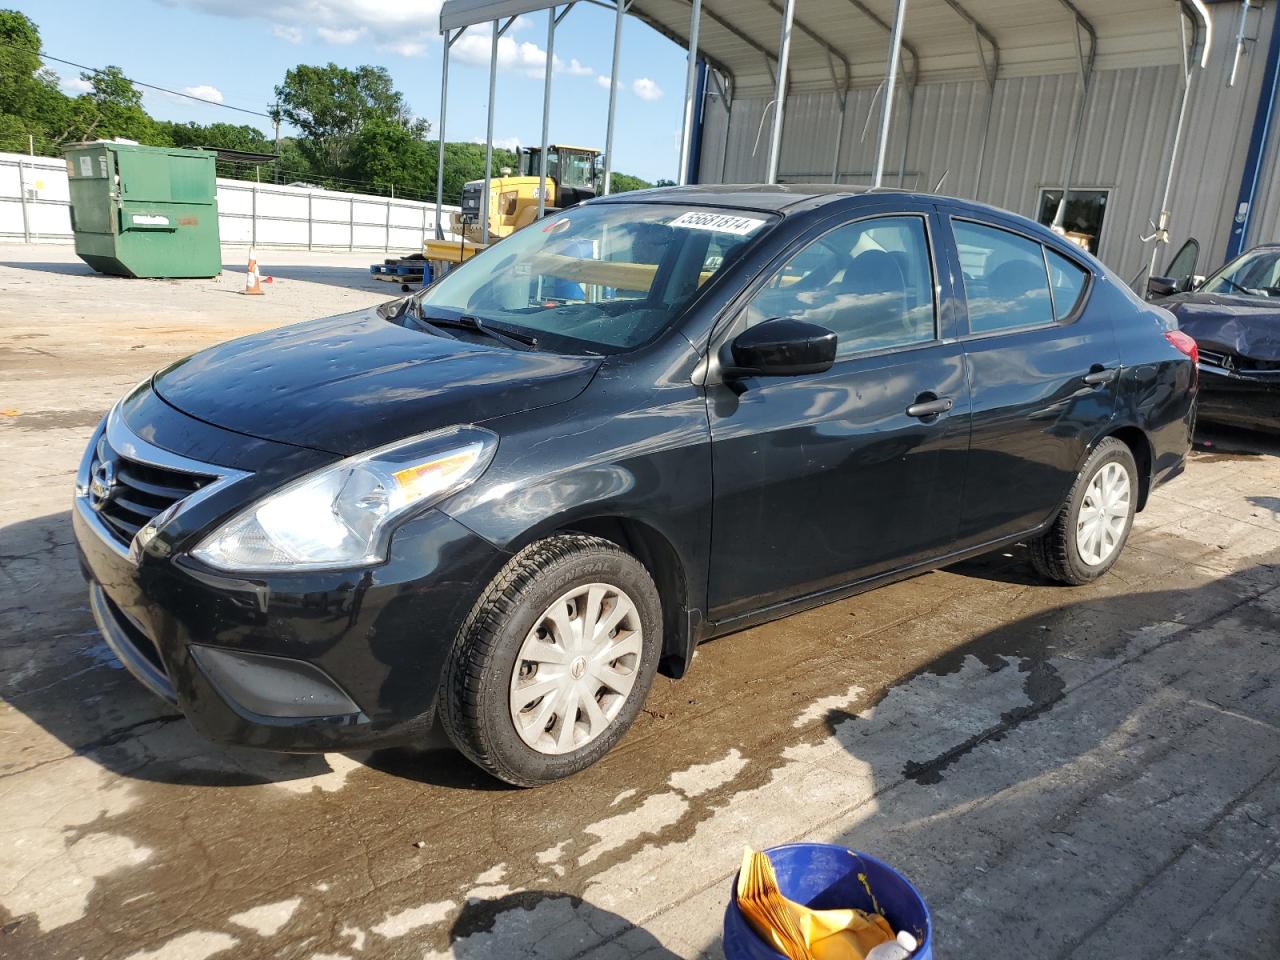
x=205, y=92
x=74, y=85
x=340, y=35
x=646, y=89
x=523, y=56
x=410, y=32
x=405, y=48
x=603, y=81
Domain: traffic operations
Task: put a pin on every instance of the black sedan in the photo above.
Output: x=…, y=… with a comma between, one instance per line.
x=508, y=501
x=1234, y=316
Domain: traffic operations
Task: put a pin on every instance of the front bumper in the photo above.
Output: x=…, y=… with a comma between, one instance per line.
x=296, y=662
x=1240, y=400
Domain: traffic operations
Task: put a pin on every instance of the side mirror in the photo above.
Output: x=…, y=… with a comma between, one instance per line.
x=781, y=347
x=1161, y=287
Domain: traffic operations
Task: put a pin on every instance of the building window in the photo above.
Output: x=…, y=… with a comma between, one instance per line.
x=1082, y=224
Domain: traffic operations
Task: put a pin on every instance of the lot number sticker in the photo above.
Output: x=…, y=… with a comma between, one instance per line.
x=719, y=222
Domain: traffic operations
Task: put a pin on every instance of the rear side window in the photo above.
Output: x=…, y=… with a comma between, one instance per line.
x=1068, y=282
x=1006, y=284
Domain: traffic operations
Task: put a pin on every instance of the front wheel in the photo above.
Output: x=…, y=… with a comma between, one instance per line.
x=554, y=661
x=1088, y=534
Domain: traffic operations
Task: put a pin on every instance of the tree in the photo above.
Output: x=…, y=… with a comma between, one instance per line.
x=463, y=162
x=30, y=101
x=109, y=87
x=623, y=182
x=331, y=104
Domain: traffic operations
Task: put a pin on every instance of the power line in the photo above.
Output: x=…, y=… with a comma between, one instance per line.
x=139, y=83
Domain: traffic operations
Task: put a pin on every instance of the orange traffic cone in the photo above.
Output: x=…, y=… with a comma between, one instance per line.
x=252, y=282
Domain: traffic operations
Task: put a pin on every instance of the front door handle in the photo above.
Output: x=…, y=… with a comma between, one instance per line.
x=1098, y=375
x=924, y=409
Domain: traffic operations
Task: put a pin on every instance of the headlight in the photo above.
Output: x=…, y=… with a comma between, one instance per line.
x=342, y=516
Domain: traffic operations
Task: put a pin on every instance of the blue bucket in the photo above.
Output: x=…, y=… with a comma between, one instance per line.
x=825, y=877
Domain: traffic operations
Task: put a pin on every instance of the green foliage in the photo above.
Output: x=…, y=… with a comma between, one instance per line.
x=622, y=183
x=355, y=130
x=331, y=105
x=463, y=162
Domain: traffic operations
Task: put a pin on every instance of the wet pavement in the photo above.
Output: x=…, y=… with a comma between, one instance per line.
x=1063, y=772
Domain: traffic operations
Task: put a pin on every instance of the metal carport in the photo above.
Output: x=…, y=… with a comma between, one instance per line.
x=853, y=71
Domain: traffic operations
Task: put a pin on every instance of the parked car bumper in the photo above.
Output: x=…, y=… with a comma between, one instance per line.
x=296, y=662
x=1243, y=400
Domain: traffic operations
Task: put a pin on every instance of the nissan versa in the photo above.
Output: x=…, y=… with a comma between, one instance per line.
x=507, y=501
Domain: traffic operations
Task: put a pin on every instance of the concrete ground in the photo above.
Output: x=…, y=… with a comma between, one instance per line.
x=1064, y=772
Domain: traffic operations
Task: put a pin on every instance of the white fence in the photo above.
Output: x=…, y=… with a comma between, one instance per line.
x=35, y=208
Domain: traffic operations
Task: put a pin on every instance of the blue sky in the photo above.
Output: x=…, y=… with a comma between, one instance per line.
x=238, y=50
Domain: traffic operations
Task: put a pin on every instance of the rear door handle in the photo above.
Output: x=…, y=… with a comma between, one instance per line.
x=1099, y=375
x=930, y=408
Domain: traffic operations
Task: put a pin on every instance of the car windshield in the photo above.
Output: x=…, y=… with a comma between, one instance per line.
x=1256, y=274
x=599, y=278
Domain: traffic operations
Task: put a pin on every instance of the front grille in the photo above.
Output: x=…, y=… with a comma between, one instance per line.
x=138, y=492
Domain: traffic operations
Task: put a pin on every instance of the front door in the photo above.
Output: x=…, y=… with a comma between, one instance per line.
x=826, y=479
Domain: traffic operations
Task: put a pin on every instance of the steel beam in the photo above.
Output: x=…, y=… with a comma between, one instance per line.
x=780, y=92
x=890, y=83
x=621, y=10
x=548, y=70
x=488, y=139
x=1161, y=235
x=914, y=76
x=444, y=102
x=1085, y=63
x=690, y=82
x=813, y=35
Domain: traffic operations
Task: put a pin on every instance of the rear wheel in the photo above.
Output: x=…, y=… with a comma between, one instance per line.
x=1088, y=534
x=554, y=661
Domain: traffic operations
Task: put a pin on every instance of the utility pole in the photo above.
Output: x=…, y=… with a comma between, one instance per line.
x=275, y=119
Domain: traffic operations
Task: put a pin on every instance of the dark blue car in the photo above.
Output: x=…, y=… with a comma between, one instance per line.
x=508, y=501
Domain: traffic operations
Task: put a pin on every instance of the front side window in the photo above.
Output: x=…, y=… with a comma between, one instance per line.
x=1005, y=281
x=1256, y=274
x=870, y=282
x=598, y=278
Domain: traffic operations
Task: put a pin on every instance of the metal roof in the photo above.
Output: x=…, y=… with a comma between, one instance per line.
x=839, y=41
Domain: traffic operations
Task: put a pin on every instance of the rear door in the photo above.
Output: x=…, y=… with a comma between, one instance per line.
x=826, y=479
x=1043, y=367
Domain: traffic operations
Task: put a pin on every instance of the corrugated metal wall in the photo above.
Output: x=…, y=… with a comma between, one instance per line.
x=1125, y=145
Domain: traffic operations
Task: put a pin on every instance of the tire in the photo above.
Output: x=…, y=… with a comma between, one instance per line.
x=525, y=615
x=1057, y=554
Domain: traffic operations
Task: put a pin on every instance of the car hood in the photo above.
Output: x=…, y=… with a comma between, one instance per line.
x=348, y=383
x=1238, y=325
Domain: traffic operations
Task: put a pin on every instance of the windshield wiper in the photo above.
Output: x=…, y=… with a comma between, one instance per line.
x=467, y=322
x=1245, y=290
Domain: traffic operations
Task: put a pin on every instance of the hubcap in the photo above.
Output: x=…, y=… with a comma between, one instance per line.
x=575, y=668
x=1104, y=514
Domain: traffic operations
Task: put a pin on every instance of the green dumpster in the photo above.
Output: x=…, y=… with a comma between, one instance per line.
x=144, y=211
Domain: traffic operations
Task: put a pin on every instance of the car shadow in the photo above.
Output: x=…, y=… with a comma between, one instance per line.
x=1134, y=726
x=70, y=684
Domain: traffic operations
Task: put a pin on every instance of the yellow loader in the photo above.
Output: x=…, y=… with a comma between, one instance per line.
x=572, y=176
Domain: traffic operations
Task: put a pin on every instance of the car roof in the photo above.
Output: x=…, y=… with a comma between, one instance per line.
x=765, y=197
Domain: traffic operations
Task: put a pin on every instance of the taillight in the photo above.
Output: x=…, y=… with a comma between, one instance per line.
x=1184, y=344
